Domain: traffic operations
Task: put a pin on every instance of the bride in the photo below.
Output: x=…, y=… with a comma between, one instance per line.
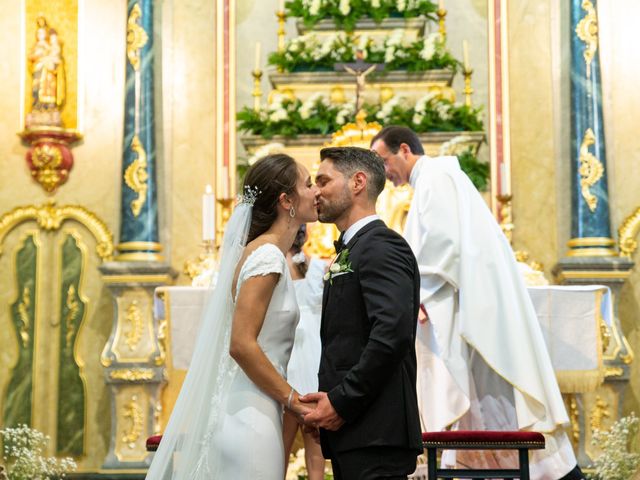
x=227, y=421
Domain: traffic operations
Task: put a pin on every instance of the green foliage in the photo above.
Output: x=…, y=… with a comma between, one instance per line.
x=346, y=13
x=477, y=171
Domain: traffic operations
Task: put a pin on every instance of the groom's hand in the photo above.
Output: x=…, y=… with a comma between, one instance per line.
x=324, y=416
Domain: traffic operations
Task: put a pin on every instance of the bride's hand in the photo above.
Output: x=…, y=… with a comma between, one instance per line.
x=300, y=409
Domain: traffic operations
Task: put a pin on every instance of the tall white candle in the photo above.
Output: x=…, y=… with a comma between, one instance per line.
x=281, y=6
x=225, y=181
x=257, y=56
x=208, y=214
x=465, y=54
x=441, y=5
x=504, y=188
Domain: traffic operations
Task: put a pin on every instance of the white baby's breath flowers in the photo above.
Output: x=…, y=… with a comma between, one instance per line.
x=617, y=462
x=345, y=7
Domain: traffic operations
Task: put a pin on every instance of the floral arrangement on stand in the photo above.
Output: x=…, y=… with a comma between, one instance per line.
x=311, y=52
x=346, y=13
x=23, y=458
x=291, y=117
x=620, y=457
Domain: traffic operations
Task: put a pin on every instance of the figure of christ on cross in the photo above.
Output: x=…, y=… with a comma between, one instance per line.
x=359, y=69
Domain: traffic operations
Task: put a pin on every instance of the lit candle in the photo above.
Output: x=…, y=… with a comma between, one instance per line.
x=257, y=55
x=208, y=214
x=465, y=54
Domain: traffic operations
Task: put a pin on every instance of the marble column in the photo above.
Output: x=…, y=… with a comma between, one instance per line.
x=134, y=356
x=592, y=257
x=590, y=223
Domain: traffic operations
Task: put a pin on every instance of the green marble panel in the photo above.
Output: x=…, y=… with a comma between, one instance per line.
x=71, y=390
x=17, y=404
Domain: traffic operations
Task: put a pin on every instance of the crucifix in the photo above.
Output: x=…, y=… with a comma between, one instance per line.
x=359, y=69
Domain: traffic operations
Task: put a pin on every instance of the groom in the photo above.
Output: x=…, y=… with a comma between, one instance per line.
x=367, y=409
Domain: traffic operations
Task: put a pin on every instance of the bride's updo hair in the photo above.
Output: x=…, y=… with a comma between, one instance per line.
x=271, y=176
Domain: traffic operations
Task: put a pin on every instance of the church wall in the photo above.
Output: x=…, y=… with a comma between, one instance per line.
x=185, y=82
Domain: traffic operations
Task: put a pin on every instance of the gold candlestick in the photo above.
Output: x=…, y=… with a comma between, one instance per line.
x=282, y=17
x=442, y=13
x=257, y=88
x=506, y=217
x=206, y=261
x=467, y=85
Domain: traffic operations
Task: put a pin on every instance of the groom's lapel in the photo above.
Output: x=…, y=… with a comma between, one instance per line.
x=369, y=226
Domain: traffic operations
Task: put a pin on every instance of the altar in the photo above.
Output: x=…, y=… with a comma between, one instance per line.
x=575, y=320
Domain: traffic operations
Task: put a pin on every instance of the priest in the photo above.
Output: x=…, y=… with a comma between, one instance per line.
x=482, y=359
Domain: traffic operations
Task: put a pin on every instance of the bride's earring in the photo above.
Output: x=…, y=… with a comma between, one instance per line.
x=292, y=212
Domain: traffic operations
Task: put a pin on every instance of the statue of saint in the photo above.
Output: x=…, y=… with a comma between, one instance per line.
x=47, y=70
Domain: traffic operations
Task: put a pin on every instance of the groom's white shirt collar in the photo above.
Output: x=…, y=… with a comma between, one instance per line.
x=355, y=228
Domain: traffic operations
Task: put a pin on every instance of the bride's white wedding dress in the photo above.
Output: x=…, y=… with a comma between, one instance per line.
x=223, y=426
x=250, y=439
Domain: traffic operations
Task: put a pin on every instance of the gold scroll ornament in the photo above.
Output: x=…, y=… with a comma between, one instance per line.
x=135, y=176
x=587, y=31
x=136, y=37
x=590, y=170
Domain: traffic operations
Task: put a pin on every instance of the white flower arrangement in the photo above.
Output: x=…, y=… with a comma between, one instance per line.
x=617, y=461
x=23, y=449
x=455, y=145
x=397, y=50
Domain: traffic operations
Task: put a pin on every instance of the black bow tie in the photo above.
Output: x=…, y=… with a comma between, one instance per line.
x=339, y=244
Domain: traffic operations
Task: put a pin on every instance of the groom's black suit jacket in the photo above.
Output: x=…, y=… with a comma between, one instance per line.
x=368, y=362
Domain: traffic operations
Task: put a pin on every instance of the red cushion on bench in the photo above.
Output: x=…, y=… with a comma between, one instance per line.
x=153, y=443
x=479, y=436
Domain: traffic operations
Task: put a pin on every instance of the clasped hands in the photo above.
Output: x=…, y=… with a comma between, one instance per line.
x=315, y=411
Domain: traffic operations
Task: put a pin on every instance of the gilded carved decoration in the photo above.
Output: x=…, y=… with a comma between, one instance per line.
x=627, y=233
x=136, y=325
x=136, y=37
x=132, y=374
x=25, y=320
x=591, y=169
x=599, y=412
x=163, y=327
x=136, y=176
x=73, y=307
x=574, y=416
x=587, y=31
x=46, y=160
x=131, y=411
x=50, y=217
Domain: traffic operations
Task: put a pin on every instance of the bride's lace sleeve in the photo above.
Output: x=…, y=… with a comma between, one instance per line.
x=263, y=260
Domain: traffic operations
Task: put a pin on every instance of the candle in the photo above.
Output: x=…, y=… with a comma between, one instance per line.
x=208, y=214
x=257, y=55
x=281, y=6
x=225, y=181
x=440, y=4
x=504, y=188
x=465, y=54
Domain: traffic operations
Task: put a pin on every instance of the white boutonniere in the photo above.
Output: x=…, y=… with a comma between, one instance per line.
x=340, y=265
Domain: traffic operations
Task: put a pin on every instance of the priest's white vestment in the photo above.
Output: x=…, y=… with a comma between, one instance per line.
x=482, y=358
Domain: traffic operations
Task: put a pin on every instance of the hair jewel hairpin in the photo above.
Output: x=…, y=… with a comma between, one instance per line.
x=249, y=196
